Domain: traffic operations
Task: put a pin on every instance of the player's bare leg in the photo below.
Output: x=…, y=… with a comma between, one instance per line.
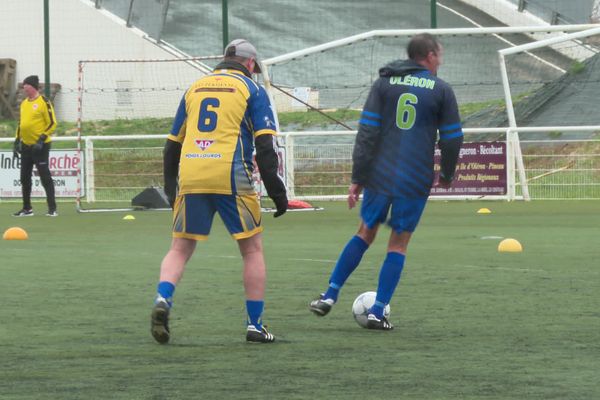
x=255, y=270
x=173, y=265
x=171, y=271
x=255, y=276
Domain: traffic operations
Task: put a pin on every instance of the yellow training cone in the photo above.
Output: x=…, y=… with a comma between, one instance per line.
x=510, y=246
x=484, y=211
x=128, y=217
x=15, y=233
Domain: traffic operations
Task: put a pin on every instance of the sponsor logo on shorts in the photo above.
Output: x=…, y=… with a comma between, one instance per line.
x=203, y=144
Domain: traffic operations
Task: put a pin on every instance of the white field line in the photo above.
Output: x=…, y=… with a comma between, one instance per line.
x=501, y=268
x=317, y=260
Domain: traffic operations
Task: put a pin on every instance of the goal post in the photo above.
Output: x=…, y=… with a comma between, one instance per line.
x=339, y=74
x=532, y=94
x=331, y=76
x=142, y=96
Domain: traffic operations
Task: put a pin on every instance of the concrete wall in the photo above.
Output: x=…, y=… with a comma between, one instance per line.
x=78, y=31
x=507, y=12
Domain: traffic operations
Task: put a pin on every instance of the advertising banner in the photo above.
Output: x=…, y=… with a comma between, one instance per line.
x=480, y=170
x=63, y=166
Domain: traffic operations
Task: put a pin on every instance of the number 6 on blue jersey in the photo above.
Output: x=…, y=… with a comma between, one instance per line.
x=406, y=114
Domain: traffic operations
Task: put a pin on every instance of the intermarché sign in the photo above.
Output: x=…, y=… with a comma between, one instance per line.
x=64, y=166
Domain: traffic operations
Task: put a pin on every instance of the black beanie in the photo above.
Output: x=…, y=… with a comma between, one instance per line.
x=32, y=80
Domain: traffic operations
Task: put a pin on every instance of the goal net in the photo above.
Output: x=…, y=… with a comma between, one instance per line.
x=126, y=108
x=139, y=97
x=551, y=88
x=338, y=75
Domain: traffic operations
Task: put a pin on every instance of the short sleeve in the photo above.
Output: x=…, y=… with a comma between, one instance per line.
x=177, y=133
x=262, y=113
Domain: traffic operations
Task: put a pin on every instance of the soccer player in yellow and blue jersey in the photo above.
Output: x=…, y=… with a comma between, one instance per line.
x=33, y=140
x=393, y=161
x=221, y=119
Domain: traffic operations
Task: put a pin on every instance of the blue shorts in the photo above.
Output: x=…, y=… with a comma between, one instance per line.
x=405, y=215
x=193, y=215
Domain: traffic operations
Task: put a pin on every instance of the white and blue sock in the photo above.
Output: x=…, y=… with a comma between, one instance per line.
x=389, y=276
x=255, y=309
x=346, y=264
x=165, y=290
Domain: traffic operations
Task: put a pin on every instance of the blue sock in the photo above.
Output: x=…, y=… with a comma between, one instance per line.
x=255, y=309
x=389, y=276
x=346, y=264
x=166, y=289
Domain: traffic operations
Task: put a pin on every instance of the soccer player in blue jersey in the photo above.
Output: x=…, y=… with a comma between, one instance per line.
x=393, y=162
x=221, y=119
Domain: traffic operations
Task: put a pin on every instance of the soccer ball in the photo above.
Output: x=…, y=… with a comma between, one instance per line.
x=360, y=307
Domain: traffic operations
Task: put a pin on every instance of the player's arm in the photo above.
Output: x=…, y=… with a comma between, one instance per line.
x=368, y=136
x=50, y=118
x=263, y=120
x=172, y=152
x=171, y=155
x=17, y=147
x=451, y=137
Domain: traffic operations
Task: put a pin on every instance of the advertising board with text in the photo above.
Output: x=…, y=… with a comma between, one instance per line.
x=480, y=170
x=64, y=165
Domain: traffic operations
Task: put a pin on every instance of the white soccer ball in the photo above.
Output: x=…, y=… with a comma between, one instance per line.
x=360, y=307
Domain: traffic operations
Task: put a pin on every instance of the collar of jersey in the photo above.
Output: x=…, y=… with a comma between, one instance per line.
x=233, y=67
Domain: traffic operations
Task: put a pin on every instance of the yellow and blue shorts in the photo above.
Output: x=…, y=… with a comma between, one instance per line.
x=193, y=215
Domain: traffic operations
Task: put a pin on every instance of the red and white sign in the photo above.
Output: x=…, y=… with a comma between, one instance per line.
x=203, y=144
x=64, y=166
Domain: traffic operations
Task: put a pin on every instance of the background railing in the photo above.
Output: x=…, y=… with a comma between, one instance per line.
x=319, y=164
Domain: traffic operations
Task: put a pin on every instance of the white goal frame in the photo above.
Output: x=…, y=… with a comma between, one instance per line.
x=514, y=156
x=513, y=132
x=515, y=168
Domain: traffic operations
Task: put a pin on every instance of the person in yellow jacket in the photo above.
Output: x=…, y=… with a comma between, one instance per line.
x=32, y=143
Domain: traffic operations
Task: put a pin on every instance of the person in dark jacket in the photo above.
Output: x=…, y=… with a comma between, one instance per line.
x=393, y=162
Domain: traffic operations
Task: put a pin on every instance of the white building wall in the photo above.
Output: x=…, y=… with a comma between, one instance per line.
x=78, y=31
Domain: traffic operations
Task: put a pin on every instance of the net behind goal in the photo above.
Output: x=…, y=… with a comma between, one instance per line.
x=128, y=97
x=140, y=97
x=554, y=114
x=120, y=98
x=339, y=74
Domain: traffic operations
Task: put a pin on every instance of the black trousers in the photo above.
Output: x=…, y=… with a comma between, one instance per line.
x=29, y=158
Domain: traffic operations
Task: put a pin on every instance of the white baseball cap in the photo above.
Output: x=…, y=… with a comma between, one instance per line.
x=242, y=48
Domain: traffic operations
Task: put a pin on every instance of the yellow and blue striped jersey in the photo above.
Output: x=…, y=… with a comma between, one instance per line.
x=217, y=120
x=37, y=118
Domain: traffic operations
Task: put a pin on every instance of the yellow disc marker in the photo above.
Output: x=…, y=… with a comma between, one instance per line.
x=128, y=217
x=510, y=246
x=15, y=233
x=484, y=211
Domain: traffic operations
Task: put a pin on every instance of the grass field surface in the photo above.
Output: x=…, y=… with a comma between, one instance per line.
x=471, y=323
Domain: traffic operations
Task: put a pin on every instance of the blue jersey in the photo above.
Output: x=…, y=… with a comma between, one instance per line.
x=398, y=130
